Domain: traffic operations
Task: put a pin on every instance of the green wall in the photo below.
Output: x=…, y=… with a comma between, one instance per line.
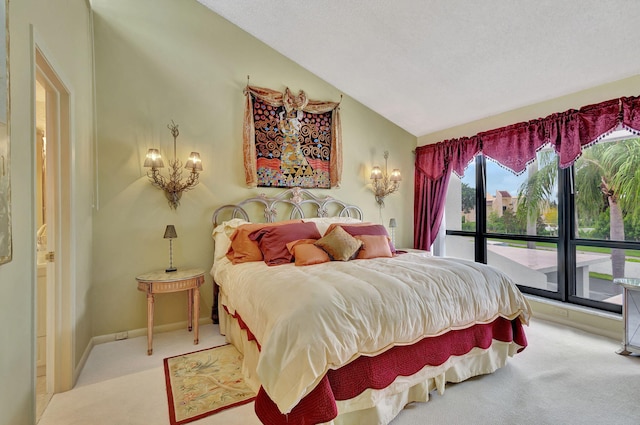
x=163, y=60
x=62, y=29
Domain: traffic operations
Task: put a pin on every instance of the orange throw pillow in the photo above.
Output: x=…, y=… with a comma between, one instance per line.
x=374, y=246
x=306, y=254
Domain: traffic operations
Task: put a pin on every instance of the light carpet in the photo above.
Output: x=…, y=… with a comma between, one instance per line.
x=564, y=376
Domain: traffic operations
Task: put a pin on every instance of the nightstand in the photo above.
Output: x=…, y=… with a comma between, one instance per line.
x=161, y=282
x=630, y=315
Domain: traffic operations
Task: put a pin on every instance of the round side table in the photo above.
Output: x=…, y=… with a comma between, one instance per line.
x=161, y=282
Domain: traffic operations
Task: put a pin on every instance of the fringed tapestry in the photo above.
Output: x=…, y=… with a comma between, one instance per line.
x=291, y=141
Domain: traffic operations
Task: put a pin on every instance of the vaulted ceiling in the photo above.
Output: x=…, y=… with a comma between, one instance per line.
x=428, y=65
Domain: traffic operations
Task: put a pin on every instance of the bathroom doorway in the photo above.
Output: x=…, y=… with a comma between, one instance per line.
x=53, y=289
x=43, y=391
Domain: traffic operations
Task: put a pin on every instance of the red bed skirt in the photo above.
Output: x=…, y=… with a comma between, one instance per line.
x=380, y=371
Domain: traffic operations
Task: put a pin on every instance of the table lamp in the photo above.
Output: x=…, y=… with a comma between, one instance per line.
x=392, y=226
x=170, y=233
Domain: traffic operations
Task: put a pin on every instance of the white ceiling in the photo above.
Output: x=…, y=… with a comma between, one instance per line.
x=427, y=65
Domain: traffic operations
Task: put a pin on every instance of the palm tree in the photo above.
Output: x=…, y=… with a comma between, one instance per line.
x=607, y=176
x=536, y=193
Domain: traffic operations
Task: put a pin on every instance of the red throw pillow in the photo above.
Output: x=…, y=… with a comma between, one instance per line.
x=243, y=249
x=273, y=241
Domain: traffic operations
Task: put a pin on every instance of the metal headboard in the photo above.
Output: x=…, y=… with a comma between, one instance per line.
x=294, y=199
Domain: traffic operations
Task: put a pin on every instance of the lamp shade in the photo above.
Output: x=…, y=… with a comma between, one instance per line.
x=376, y=173
x=392, y=223
x=170, y=232
x=194, y=162
x=395, y=175
x=153, y=159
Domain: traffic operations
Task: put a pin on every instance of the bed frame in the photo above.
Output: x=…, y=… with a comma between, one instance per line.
x=292, y=203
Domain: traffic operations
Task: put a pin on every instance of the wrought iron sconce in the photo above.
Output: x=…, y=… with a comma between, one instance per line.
x=173, y=186
x=383, y=183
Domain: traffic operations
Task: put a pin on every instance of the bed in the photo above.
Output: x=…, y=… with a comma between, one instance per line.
x=333, y=335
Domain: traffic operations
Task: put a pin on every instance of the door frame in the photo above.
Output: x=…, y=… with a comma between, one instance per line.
x=60, y=279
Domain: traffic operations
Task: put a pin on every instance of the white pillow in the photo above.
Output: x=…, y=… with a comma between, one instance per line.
x=323, y=223
x=222, y=236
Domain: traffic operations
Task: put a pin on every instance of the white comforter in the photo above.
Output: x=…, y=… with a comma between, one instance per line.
x=315, y=318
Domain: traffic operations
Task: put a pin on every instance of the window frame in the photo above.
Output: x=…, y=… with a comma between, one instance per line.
x=566, y=240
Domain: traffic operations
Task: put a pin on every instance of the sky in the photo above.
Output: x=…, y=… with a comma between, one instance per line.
x=498, y=178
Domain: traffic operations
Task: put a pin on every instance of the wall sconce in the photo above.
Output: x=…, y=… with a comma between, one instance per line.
x=173, y=187
x=383, y=183
x=170, y=233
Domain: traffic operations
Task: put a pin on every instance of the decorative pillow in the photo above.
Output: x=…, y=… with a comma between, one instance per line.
x=374, y=246
x=323, y=223
x=273, y=240
x=222, y=236
x=243, y=249
x=365, y=229
x=339, y=244
x=308, y=254
x=291, y=245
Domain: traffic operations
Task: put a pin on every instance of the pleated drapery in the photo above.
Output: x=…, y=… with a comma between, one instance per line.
x=514, y=147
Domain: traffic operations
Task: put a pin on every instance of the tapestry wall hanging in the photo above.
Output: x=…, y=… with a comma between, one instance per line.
x=291, y=141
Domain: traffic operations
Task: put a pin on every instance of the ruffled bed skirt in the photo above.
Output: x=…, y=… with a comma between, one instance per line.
x=373, y=406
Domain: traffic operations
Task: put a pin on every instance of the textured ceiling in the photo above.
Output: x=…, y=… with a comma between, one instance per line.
x=427, y=65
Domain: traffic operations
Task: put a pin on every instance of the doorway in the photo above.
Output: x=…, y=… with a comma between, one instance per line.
x=44, y=391
x=53, y=290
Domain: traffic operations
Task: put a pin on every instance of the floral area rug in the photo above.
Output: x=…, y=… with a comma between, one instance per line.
x=204, y=382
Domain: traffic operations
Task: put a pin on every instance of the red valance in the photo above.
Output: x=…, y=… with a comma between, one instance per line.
x=516, y=145
x=451, y=155
x=631, y=113
x=513, y=146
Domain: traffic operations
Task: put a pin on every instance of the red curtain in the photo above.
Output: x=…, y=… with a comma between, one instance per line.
x=434, y=164
x=514, y=147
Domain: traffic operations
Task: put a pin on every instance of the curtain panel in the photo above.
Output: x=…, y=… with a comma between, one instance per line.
x=514, y=147
x=434, y=164
x=277, y=99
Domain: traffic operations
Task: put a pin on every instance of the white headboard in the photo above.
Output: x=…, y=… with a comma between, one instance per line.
x=293, y=202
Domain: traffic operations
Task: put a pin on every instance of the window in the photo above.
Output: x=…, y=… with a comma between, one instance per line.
x=559, y=233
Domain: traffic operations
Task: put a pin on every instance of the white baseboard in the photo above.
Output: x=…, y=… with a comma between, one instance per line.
x=101, y=339
x=83, y=361
x=590, y=320
x=133, y=333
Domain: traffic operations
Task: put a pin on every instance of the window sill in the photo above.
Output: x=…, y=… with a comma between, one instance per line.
x=598, y=322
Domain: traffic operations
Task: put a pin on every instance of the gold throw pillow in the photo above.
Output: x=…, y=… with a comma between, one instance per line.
x=340, y=245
